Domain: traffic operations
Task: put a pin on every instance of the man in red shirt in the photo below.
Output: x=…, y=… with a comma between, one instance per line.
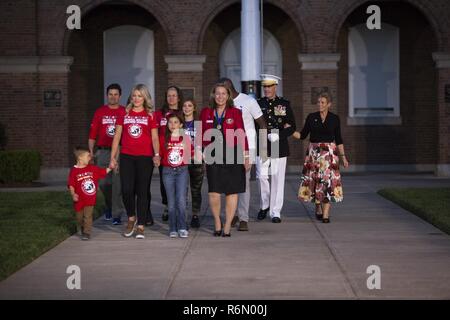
x=102, y=133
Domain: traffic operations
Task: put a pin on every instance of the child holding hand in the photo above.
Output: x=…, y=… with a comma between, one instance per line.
x=83, y=185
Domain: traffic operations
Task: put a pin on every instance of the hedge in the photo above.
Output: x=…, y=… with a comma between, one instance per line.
x=19, y=166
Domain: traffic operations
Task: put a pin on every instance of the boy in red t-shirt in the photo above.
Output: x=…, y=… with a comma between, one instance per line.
x=83, y=185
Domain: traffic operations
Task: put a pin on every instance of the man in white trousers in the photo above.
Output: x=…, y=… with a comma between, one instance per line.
x=251, y=112
x=280, y=124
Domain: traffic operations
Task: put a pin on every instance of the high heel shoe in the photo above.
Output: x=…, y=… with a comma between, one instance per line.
x=226, y=234
x=326, y=220
x=319, y=216
x=218, y=233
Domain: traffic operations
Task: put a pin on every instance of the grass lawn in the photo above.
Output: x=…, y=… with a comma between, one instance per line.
x=31, y=223
x=430, y=204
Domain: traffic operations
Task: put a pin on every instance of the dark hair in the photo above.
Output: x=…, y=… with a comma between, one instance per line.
x=167, y=134
x=113, y=86
x=212, y=98
x=228, y=82
x=165, y=106
x=78, y=151
x=195, y=108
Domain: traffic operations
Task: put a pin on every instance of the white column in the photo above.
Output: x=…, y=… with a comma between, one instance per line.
x=250, y=41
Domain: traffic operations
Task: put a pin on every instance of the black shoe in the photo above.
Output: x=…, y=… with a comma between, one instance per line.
x=276, y=220
x=319, y=216
x=234, y=221
x=165, y=215
x=243, y=226
x=226, y=234
x=195, y=222
x=262, y=214
x=218, y=233
x=326, y=220
x=149, y=219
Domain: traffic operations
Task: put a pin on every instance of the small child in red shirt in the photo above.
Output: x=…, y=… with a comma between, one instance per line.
x=83, y=185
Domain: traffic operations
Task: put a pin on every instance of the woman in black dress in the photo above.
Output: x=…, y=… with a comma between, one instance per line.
x=321, y=180
x=226, y=158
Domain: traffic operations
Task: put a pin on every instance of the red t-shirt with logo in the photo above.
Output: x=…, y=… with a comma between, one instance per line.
x=173, y=154
x=137, y=133
x=161, y=120
x=103, y=125
x=85, y=182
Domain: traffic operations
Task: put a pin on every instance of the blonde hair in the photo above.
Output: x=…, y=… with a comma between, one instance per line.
x=326, y=96
x=79, y=151
x=143, y=90
x=212, y=96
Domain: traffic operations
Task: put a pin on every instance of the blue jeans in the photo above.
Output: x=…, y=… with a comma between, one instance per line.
x=175, y=181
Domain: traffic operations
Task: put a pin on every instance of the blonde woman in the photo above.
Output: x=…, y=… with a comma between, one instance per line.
x=321, y=180
x=138, y=133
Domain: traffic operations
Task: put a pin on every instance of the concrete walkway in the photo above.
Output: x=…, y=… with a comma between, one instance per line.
x=297, y=259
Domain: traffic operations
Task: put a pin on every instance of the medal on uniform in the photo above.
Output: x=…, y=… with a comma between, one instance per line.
x=219, y=120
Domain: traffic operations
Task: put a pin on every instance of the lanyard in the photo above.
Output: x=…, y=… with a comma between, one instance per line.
x=190, y=125
x=219, y=120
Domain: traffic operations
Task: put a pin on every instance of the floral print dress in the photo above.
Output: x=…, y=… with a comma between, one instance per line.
x=320, y=180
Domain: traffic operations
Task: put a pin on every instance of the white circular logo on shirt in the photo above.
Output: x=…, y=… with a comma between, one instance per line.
x=163, y=122
x=175, y=157
x=110, y=131
x=135, y=130
x=88, y=187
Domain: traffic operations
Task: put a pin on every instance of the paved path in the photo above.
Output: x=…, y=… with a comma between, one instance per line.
x=297, y=259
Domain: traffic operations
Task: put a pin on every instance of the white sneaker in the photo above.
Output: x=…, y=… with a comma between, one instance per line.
x=173, y=234
x=183, y=233
x=140, y=233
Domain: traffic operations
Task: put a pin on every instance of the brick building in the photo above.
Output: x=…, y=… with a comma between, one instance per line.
x=391, y=87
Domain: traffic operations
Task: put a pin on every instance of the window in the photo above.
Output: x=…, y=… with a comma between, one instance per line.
x=230, y=58
x=129, y=59
x=374, y=85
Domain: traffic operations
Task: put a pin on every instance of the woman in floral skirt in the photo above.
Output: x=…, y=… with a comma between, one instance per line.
x=321, y=180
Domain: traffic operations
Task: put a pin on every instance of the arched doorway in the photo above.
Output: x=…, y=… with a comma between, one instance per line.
x=117, y=43
x=387, y=89
x=230, y=57
x=129, y=58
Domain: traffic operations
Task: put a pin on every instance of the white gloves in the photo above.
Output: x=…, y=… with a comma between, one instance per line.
x=273, y=137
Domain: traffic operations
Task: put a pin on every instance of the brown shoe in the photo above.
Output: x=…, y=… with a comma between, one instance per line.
x=140, y=233
x=243, y=226
x=130, y=229
x=234, y=221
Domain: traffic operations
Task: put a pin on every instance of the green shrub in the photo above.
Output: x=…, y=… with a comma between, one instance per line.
x=19, y=166
x=3, y=138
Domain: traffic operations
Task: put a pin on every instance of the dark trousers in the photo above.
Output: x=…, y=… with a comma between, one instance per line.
x=161, y=187
x=136, y=176
x=196, y=181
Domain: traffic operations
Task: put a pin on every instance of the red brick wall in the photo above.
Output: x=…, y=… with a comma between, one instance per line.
x=18, y=28
x=182, y=27
x=443, y=117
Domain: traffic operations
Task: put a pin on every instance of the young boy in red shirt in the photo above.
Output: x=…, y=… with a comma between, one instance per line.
x=83, y=185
